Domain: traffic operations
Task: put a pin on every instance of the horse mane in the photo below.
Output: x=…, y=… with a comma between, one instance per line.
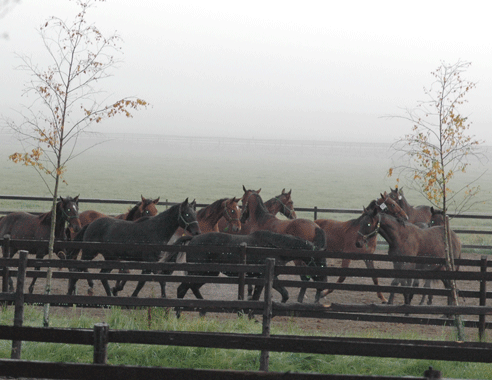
x=215, y=207
x=369, y=209
x=46, y=217
x=132, y=211
x=261, y=208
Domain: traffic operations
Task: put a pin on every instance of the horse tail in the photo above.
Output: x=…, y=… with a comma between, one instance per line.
x=319, y=240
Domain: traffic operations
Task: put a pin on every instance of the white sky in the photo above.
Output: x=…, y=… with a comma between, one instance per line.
x=327, y=70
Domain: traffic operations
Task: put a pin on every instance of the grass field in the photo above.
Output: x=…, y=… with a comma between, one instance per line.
x=327, y=175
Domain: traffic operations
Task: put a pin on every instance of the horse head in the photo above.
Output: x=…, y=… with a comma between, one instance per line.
x=68, y=209
x=245, y=200
x=388, y=205
x=437, y=218
x=232, y=214
x=147, y=206
x=187, y=217
x=369, y=224
x=287, y=204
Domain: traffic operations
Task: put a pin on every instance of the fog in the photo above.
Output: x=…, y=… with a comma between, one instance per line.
x=270, y=70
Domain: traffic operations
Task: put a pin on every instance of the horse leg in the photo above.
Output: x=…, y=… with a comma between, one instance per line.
x=375, y=280
x=105, y=282
x=395, y=282
x=345, y=264
x=181, y=292
x=141, y=283
x=31, y=287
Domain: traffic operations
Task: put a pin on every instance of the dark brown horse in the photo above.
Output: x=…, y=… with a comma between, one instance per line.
x=415, y=214
x=147, y=230
x=266, y=239
x=226, y=208
x=22, y=225
x=145, y=207
x=255, y=217
x=341, y=236
x=406, y=239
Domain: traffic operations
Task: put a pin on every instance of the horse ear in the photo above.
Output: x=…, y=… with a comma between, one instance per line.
x=193, y=204
x=259, y=190
x=76, y=199
x=155, y=201
x=290, y=191
x=244, y=189
x=432, y=209
x=283, y=190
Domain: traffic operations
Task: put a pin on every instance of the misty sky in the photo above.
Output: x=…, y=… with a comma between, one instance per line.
x=271, y=69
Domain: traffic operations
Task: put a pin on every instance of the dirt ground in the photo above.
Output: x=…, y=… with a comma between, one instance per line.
x=330, y=326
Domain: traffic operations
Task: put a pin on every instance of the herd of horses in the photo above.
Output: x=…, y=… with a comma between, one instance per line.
x=410, y=231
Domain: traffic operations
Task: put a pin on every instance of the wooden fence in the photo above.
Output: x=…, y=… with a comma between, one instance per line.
x=465, y=351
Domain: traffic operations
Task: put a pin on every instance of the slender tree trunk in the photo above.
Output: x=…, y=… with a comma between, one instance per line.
x=51, y=246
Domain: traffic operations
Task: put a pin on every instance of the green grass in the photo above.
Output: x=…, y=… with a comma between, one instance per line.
x=207, y=358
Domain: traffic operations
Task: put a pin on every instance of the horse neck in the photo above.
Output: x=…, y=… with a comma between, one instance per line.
x=211, y=214
x=403, y=203
x=59, y=223
x=167, y=222
x=390, y=230
x=258, y=213
x=133, y=213
x=272, y=206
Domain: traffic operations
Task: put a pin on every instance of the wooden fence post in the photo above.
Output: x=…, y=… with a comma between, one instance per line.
x=267, y=311
x=315, y=212
x=6, y=270
x=101, y=343
x=242, y=275
x=19, y=303
x=483, y=299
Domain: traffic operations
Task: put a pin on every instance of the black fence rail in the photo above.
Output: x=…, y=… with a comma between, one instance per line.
x=101, y=336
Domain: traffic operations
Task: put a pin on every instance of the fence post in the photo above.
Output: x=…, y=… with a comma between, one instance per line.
x=6, y=269
x=267, y=311
x=315, y=213
x=242, y=275
x=19, y=303
x=483, y=299
x=101, y=343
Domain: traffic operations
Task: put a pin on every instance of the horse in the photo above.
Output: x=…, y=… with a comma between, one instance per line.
x=415, y=214
x=407, y=239
x=281, y=203
x=264, y=238
x=255, y=216
x=437, y=219
x=146, y=230
x=22, y=225
x=207, y=217
x=341, y=236
x=145, y=207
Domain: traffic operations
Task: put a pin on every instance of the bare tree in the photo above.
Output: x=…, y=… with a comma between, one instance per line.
x=67, y=100
x=439, y=147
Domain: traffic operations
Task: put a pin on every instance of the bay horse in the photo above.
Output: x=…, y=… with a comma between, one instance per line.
x=264, y=238
x=437, y=219
x=22, y=225
x=207, y=218
x=146, y=230
x=145, y=207
x=255, y=217
x=282, y=204
x=407, y=239
x=342, y=236
x=415, y=214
